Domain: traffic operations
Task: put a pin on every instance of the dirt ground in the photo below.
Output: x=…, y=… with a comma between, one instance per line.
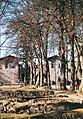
x=30, y=102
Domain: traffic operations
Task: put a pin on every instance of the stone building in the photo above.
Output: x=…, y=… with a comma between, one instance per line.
x=54, y=66
x=13, y=70
x=9, y=69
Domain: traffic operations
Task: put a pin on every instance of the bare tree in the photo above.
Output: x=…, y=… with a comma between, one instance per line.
x=32, y=24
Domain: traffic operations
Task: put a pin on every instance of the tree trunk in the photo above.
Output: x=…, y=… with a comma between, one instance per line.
x=81, y=85
x=31, y=74
x=72, y=63
x=62, y=59
x=35, y=74
x=48, y=74
x=41, y=72
x=79, y=68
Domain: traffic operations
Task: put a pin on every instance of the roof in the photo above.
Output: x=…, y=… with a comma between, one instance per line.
x=53, y=58
x=9, y=59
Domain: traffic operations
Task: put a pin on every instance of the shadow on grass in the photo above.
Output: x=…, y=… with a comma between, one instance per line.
x=61, y=110
x=64, y=110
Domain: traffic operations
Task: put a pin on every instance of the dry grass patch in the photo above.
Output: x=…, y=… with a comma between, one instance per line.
x=16, y=116
x=80, y=110
x=22, y=88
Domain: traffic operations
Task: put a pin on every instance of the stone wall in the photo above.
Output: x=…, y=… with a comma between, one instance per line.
x=8, y=75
